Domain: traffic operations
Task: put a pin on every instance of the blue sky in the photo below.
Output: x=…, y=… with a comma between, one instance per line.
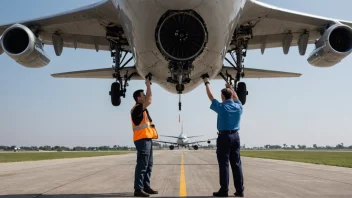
x=36, y=109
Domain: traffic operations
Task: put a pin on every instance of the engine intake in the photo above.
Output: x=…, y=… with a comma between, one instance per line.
x=181, y=35
x=332, y=47
x=19, y=42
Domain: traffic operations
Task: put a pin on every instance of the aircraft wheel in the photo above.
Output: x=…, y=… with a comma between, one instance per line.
x=171, y=147
x=242, y=92
x=115, y=94
x=195, y=147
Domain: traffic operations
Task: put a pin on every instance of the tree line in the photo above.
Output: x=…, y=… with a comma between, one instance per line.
x=64, y=148
x=157, y=145
x=76, y=148
x=291, y=147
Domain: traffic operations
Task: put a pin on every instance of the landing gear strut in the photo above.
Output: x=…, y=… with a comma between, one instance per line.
x=118, y=88
x=241, y=43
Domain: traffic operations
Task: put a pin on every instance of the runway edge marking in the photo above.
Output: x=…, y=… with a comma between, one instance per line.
x=183, y=188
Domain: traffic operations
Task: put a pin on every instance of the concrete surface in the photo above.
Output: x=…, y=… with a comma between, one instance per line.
x=112, y=176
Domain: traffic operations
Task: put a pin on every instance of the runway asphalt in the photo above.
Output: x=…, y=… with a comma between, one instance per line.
x=176, y=173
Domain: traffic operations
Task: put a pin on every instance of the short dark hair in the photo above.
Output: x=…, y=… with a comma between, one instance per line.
x=137, y=94
x=227, y=93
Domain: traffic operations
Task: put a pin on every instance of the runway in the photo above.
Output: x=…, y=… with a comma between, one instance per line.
x=178, y=172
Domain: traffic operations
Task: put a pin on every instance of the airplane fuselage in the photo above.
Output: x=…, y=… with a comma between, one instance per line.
x=182, y=140
x=141, y=20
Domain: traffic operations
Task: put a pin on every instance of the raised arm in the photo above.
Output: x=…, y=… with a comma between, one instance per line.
x=210, y=95
x=148, y=96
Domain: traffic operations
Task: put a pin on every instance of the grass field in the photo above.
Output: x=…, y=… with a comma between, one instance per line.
x=343, y=159
x=34, y=156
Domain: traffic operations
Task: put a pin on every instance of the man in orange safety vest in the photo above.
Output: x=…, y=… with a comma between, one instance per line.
x=143, y=133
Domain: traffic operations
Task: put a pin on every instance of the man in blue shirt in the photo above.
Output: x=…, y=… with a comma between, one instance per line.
x=228, y=141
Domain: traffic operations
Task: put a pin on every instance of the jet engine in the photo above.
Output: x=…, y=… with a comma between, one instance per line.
x=332, y=47
x=181, y=35
x=20, y=43
x=208, y=141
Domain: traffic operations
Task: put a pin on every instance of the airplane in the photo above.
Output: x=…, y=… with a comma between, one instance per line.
x=182, y=140
x=177, y=43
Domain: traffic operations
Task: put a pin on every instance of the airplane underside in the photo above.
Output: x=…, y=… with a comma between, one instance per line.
x=187, y=48
x=177, y=43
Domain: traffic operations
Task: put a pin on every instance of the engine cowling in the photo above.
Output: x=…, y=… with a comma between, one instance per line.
x=332, y=47
x=19, y=42
x=1, y=50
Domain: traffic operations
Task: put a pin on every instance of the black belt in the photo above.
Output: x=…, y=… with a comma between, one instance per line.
x=227, y=131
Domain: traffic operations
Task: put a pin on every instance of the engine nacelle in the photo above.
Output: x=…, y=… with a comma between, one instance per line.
x=19, y=42
x=1, y=50
x=332, y=47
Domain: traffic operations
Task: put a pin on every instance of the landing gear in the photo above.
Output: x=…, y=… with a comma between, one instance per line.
x=195, y=147
x=115, y=94
x=242, y=92
x=118, y=88
x=171, y=147
x=114, y=35
x=241, y=37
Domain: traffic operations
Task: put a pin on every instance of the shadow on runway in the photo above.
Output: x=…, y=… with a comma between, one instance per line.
x=108, y=195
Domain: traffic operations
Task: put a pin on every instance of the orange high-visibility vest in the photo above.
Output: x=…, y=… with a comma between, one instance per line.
x=145, y=129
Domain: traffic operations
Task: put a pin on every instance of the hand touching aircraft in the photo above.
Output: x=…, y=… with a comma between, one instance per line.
x=177, y=42
x=182, y=140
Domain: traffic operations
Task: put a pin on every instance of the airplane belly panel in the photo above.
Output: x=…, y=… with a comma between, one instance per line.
x=141, y=20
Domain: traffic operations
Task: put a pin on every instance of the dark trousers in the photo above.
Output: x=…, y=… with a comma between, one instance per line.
x=228, y=149
x=144, y=164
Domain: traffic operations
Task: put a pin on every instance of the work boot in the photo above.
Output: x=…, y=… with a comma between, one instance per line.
x=150, y=191
x=220, y=194
x=140, y=193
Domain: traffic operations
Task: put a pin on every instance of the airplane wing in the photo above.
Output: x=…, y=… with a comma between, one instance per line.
x=83, y=28
x=165, y=142
x=105, y=73
x=255, y=73
x=195, y=136
x=168, y=136
x=196, y=142
x=271, y=25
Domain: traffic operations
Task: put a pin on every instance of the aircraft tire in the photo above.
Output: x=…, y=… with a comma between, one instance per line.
x=242, y=92
x=115, y=94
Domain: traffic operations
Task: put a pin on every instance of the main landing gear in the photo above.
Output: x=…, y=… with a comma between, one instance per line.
x=241, y=38
x=239, y=87
x=118, y=88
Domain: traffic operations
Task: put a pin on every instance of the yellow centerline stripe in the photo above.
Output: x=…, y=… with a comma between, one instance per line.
x=183, y=191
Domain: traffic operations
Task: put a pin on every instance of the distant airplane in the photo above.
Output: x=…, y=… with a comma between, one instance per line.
x=177, y=42
x=182, y=140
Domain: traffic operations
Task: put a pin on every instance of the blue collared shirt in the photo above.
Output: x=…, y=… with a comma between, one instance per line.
x=229, y=114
